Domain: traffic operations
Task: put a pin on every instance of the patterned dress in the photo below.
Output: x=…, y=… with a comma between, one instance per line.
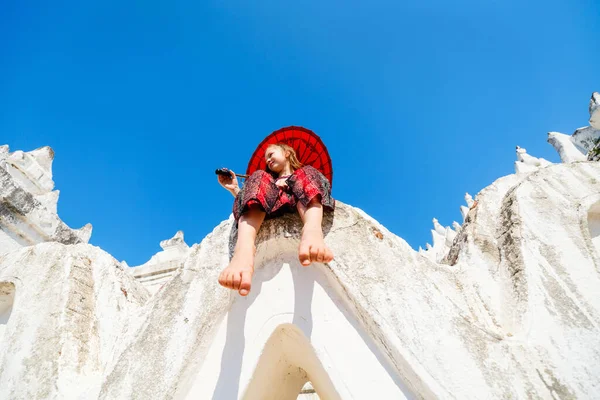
x=303, y=185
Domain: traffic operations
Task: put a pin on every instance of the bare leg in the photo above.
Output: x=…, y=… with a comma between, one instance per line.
x=312, y=246
x=238, y=274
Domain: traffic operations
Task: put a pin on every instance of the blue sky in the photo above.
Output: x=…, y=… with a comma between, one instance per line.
x=417, y=101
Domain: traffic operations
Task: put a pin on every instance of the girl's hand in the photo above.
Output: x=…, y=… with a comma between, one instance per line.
x=229, y=182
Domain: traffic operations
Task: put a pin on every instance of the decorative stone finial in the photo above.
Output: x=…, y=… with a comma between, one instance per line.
x=469, y=200
x=175, y=241
x=84, y=233
x=438, y=228
x=527, y=163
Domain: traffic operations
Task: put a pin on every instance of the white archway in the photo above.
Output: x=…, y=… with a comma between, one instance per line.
x=295, y=327
x=286, y=364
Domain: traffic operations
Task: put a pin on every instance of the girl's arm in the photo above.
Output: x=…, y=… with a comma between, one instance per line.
x=235, y=192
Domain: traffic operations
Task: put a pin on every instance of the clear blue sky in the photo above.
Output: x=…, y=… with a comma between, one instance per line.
x=417, y=101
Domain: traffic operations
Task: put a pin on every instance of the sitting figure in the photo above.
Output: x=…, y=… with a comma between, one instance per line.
x=285, y=186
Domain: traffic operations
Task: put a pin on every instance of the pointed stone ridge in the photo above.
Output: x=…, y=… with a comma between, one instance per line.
x=163, y=265
x=526, y=163
x=442, y=240
x=443, y=237
x=84, y=233
x=469, y=200
x=438, y=228
x=595, y=110
x=28, y=204
x=465, y=210
x=583, y=145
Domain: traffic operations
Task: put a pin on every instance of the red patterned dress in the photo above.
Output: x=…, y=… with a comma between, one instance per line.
x=304, y=184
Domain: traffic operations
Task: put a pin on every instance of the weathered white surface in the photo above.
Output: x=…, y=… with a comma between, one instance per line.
x=544, y=258
x=72, y=309
x=515, y=315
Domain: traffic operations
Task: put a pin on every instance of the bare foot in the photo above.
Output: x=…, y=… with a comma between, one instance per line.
x=312, y=247
x=238, y=274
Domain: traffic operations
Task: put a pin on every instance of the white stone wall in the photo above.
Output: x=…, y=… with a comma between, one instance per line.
x=504, y=305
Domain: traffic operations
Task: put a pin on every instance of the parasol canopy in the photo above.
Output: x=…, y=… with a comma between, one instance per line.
x=309, y=148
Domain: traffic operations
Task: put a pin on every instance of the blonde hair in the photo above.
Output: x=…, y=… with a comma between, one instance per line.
x=292, y=158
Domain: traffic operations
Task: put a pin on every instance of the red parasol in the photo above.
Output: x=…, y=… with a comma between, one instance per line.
x=309, y=149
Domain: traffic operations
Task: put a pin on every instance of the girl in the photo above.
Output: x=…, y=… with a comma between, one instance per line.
x=286, y=186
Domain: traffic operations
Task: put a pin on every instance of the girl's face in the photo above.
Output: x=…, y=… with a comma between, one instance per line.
x=276, y=159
